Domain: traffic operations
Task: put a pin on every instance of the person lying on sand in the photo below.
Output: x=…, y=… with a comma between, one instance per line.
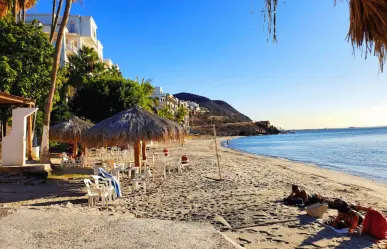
x=301, y=197
x=348, y=215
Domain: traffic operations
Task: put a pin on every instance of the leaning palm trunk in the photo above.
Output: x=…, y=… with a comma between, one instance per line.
x=23, y=3
x=45, y=155
x=14, y=10
x=53, y=14
x=55, y=19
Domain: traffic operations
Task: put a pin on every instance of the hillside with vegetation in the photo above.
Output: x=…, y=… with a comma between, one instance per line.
x=233, y=129
x=215, y=107
x=228, y=121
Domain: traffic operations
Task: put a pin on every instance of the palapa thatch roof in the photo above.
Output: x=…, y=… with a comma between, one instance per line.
x=367, y=25
x=5, y=5
x=70, y=130
x=130, y=126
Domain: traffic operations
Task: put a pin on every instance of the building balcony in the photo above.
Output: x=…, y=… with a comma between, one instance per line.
x=108, y=63
x=71, y=49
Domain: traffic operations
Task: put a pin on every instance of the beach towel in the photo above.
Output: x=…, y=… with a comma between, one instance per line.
x=294, y=202
x=115, y=183
x=341, y=231
x=375, y=224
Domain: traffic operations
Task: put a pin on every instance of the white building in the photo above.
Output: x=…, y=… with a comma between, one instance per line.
x=80, y=31
x=193, y=106
x=173, y=103
x=165, y=100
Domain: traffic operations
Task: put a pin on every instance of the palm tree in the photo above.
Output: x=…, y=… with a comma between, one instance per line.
x=85, y=63
x=146, y=91
x=16, y=6
x=45, y=155
x=55, y=17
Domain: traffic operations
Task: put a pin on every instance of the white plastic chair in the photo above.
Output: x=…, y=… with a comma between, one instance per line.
x=159, y=170
x=107, y=185
x=138, y=179
x=65, y=160
x=94, y=192
x=79, y=162
x=136, y=182
x=171, y=167
x=117, y=169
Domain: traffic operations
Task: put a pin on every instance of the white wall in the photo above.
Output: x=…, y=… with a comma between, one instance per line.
x=14, y=145
x=84, y=26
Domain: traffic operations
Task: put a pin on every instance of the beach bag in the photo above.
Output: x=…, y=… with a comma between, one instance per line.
x=375, y=224
x=317, y=210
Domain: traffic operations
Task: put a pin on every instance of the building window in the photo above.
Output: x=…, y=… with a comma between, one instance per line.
x=94, y=33
x=72, y=27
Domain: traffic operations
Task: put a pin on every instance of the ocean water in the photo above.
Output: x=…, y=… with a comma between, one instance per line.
x=358, y=151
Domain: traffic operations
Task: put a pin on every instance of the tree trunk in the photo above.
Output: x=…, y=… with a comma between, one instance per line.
x=14, y=10
x=55, y=20
x=45, y=155
x=53, y=14
x=24, y=11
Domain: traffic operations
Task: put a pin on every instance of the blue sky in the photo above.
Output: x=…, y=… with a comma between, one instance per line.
x=219, y=49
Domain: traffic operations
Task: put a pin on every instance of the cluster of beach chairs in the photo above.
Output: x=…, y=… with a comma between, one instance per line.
x=111, y=164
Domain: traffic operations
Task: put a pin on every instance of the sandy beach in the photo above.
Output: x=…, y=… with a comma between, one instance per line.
x=246, y=206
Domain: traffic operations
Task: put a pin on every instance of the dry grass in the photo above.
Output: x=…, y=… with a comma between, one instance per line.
x=58, y=176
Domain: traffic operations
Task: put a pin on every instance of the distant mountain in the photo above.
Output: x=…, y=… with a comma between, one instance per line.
x=216, y=107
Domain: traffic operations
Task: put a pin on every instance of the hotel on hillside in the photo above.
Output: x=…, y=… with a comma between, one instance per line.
x=80, y=31
x=171, y=102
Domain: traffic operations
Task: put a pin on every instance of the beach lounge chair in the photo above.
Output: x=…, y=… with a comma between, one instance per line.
x=107, y=182
x=96, y=192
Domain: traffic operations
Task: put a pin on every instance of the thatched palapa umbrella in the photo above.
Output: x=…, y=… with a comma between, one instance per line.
x=367, y=25
x=131, y=127
x=69, y=131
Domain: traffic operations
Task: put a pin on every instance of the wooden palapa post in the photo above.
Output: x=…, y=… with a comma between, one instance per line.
x=143, y=150
x=137, y=152
x=75, y=149
x=217, y=153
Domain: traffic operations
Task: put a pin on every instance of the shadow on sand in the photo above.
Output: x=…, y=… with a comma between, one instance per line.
x=53, y=188
x=352, y=242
